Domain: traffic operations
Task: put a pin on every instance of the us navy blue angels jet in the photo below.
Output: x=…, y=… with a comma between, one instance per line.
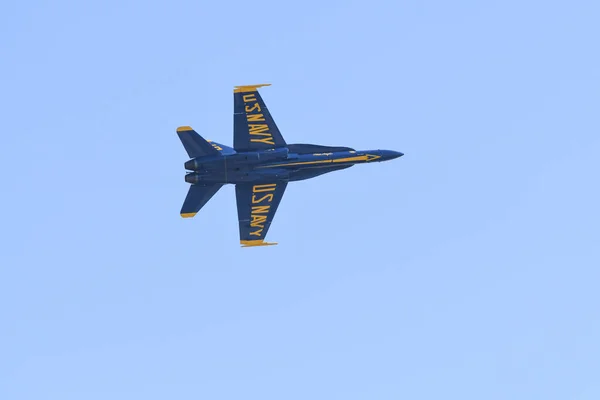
x=260, y=165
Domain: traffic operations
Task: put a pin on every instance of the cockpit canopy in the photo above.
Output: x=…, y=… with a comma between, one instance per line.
x=315, y=148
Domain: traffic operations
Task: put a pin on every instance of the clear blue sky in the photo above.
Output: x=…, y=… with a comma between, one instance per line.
x=467, y=269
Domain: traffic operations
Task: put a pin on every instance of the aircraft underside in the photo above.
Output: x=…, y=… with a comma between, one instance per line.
x=260, y=164
x=240, y=175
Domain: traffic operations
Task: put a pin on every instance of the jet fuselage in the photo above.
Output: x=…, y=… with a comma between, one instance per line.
x=276, y=164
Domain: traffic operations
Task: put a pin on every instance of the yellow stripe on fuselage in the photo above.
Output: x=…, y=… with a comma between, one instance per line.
x=296, y=163
x=366, y=157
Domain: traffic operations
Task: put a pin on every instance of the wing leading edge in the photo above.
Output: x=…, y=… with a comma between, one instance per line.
x=257, y=205
x=253, y=126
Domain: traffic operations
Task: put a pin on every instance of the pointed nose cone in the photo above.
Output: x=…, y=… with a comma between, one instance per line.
x=390, y=154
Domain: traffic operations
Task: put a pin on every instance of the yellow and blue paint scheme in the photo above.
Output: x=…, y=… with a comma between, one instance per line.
x=260, y=165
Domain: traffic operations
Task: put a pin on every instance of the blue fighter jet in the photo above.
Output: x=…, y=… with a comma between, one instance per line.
x=260, y=165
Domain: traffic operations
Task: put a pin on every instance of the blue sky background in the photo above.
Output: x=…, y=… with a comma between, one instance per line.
x=467, y=269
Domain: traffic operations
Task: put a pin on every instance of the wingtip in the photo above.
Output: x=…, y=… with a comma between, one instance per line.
x=256, y=243
x=184, y=128
x=188, y=215
x=249, y=88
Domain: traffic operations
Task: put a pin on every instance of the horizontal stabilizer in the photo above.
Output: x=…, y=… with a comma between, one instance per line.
x=197, y=197
x=224, y=150
x=194, y=144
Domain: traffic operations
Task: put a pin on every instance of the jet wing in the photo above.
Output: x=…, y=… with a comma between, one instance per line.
x=257, y=204
x=253, y=126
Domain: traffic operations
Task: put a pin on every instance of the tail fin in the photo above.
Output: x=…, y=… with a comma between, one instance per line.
x=194, y=144
x=197, y=197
